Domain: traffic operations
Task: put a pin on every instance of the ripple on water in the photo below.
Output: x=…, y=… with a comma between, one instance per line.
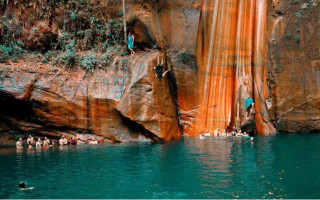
x=270, y=167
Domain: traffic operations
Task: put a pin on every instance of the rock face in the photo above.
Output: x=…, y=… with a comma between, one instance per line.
x=245, y=48
x=220, y=51
x=232, y=61
x=124, y=100
x=294, y=65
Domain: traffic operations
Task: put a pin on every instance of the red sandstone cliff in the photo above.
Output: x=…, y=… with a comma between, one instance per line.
x=220, y=52
x=124, y=100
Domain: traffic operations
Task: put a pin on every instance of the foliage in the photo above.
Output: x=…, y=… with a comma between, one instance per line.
x=88, y=62
x=85, y=27
x=288, y=35
x=11, y=50
x=68, y=57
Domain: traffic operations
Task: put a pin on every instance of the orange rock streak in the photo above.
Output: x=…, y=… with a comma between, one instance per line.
x=231, y=54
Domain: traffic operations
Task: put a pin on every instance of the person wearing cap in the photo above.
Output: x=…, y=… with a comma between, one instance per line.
x=19, y=143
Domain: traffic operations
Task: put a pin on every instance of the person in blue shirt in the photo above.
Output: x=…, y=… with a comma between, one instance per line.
x=130, y=43
x=248, y=101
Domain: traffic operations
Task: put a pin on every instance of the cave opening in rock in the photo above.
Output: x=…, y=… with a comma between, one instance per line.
x=15, y=108
x=134, y=127
x=143, y=38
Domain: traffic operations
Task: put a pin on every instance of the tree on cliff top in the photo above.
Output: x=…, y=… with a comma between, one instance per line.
x=124, y=21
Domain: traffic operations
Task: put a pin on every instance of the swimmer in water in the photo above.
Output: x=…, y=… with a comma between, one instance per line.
x=239, y=134
x=224, y=134
x=65, y=141
x=46, y=142
x=74, y=141
x=22, y=186
x=39, y=143
x=61, y=140
x=30, y=140
x=216, y=132
x=207, y=134
x=19, y=144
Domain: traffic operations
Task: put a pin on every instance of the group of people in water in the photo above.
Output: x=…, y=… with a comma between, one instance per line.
x=250, y=112
x=224, y=133
x=31, y=142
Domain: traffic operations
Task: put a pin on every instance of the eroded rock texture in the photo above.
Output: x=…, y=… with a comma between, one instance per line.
x=220, y=51
x=232, y=57
x=294, y=65
x=124, y=100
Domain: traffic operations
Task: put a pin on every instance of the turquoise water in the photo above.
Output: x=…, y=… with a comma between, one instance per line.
x=285, y=166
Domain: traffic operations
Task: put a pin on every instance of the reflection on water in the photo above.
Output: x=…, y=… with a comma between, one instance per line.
x=269, y=167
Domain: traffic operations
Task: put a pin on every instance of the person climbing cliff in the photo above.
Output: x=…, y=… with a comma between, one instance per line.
x=159, y=68
x=131, y=43
x=250, y=112
x=248, y=101
x=249, y=124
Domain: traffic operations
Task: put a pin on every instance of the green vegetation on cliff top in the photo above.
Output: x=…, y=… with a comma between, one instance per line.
x=70, y=27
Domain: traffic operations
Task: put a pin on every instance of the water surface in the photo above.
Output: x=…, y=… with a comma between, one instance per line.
x=284, y=166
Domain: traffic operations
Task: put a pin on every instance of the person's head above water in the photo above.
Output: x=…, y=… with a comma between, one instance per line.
x=22, y=184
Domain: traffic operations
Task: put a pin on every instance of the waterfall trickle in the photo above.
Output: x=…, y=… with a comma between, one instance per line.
x=232, y=57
